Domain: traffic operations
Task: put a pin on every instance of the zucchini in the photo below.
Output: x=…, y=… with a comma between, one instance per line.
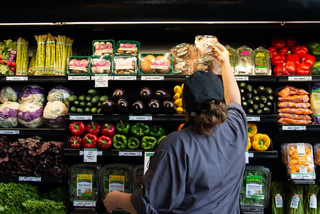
x=255, y=107
x=242, y=85
x=263, y=99
x=243, y=99
x=242, y=91
x=73, y=109
x=73, y=98
x=93, y=92
x=266, y=110
x=87, y=110
x=270, y=98
x=261, y=89
x=269, y=105
x=244, y=105
x=99, y=104
x=261, y=105
x=89, y=105
x=82, y=104
x=94, y=110
x=259, y=111
x=268, y=90
x=254, y=92
x=95, y=99
x=249, y=88
x=256, y=99
x=250, y=102
x=88, y=98
x=82, y=98
x=250, y=111
x=248, y=95
x=104, y=98
x=80, y=110
x=76, y=103
x=99, y=111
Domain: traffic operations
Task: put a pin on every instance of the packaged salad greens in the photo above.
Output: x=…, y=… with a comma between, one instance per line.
x=232, y=58
x=84, y=184
x=262, y=64
x=137, y=175
x=255, y=189
x=245, y=61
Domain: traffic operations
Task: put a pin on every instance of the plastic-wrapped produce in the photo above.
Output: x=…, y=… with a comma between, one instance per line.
x=9, y=114
x=9, y=93
x=125, y=65
x=255, y=189
x=84, y=183
x=315, y=101
x=101, y=64
x=183, y=54
x=137, y=175
x=245, y=61
x=59, y=93
x=232, y=58
x=262, y=64
x=32, y=94
x=103, y=47
x=205, y=43
x=30, y=115
x=53, y=114
x=155, y=63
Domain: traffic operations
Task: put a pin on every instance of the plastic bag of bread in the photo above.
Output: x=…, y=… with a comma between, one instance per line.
x=293, y=105
x=294, y=116
x=290, y=90
x=205, y=43
x=289, y=121
x=155, y=63
x=295, y=110
x=315, y=101
x=125, y=65
x=295, y=98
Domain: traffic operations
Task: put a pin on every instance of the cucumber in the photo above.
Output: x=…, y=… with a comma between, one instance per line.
x=244, y=105
x=99, y=104
x=250, y=102
x=243, y=99
x=259, y=111
x=249, y=88
x=255, y=107
x=268, y=90
x=256, y=99
x=82, y=98
x=254, y=92
x=80, y=110
x=266, y=110
x=242, y=85
x=261, y=89
x=93, y=92
x=104, y=98
x=270, y=98
x=94, y=110
x=263, y=99
x=73, y=98
x=95, y=99
x=73, y=109
x=99, y=111
x=87, y=110
x=89, y=105
x=261, y=105
x=269, y=104
x=250, y=111
x=242, y=91
x=88, y=98
x=76, y=103
x=82, y=104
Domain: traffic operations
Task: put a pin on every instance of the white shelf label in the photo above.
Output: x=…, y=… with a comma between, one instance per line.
x=130, y=153
x=279, y=201
x=33, y=179
x=303, y=176
x=84, y=203
x=99, y=153
x=252, y=118
x=80, y=117
x=101, y=80
x=247, y=156
x=250, y=154
x=90, y=155
x=152, y=77
x=140, y=117
x=78, y=77
x=242, y=78
x=299, y=78
x=9, y=131
x=124, y=77
x=15, y=78
x=109, y=77
x=147, y=156
x=293, y=128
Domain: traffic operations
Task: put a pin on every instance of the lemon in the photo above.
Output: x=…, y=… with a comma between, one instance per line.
x=176, y=96
x=177, y=89
x=182, y=86
x=179, y=110
x=178, y=102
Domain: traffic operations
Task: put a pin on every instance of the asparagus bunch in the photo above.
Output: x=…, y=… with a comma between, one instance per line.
x=69, y=47
x=41, y=54
x=22, y=59
x=32, y=63
x=50, y=55
x=61, y=54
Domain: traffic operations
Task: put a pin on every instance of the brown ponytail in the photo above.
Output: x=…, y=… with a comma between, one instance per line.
x=212, y=115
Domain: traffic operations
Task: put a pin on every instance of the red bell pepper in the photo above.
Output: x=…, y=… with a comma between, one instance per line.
x=77, y=127
x=295, y=48
x=90, y=141
x=301, y=51
x=284, y=51
x=303, y=69
x=272, y=51
x=104, y=142
x=278, y=42
x=277, y=59
x=287, y=68
x=290, y=68
x=309, y=59
x=293, y=58
x=108, y=129
x=290, y=41
x=75, y=142
x=93, y=128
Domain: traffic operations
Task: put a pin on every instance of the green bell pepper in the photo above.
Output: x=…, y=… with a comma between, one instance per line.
x=119, y=141
x=122, y=127
x=160, y=139
x=315, y=69
x=314, y=48
x=157, y=131
x=133, y=143
x=148, y=142
x=140, y=129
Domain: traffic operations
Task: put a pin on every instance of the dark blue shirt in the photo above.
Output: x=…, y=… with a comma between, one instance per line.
x=192, y=173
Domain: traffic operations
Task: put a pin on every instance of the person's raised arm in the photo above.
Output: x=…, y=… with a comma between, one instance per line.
x=231, y=89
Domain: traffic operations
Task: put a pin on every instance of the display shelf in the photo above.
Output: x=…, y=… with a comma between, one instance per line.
x=311, y=127
x=33, y=131
x=51, y=78
x=256, y=78
x=313, y=78
x=70, y=152
x=263, y=154
x=303, y=181
x=262, y=118
x=42, y=179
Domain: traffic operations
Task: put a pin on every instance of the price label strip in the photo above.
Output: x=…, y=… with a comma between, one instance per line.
x=253, y=118
x=101, y=80
x=242, y=78
x=152, y=77
x=33, y=179
x=130, y=154
x=99, y=153
x=9, y=131
x=78, y=77
x=247, y=156
x=299, y=78
x=80, y=117
x=90, y=155
x=16, y=78
x=293, y=128
x=125, y=78
x=140, y=118
x=109, y=77
x=84, y=203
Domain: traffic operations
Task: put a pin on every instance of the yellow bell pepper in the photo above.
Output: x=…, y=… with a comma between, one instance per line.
x=252, y=129
x=261, y=142
x=249, y=144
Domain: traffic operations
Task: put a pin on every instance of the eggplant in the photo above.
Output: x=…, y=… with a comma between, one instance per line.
x=138, y=107
x=107, y=106
x=162, y=94
x=122, y=105
x=145, y=93
x=154, y=106
x=118, y=94
x=168, y=106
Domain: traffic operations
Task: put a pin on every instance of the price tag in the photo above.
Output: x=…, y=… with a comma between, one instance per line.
x=78, y=77
x=152, y=77
x=99, y=153
x=313, y=201
x=247, y=156
x=147, y=156
x=303, y=176
x=124, y=77
x=299, y=78
x=90, y=155
x=140, y=117
x=250, y=154
x=33, y=179
x=101, y=80
x=109, y=77
x=80, y=117
x=9, y=131
x=242, y=78
x=253, y=118
x=130, y=153
x=16, y=78
x=293, y=128
x=295, y=202
x=84, y=203
x=279, y=202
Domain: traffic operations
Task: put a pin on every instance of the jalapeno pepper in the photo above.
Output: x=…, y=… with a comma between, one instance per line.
x=75, y=142
x=133, y=143
x=122, y=127
x=119, y=141
x=148, y=142
x=140, y=129
x=90, y=141
x=157, y=131
x=160, y=139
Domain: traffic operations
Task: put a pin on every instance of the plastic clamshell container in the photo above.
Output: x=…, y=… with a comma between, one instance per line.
x=300, y=161
x=70, y=68
x=137, y=175
x=129, y=44
x=156, y=68
x=205, y=43
x=103, y=52
x=121, y=63
x=101, y=68
x=316, y=150
x=232, y=58
x=262, y=63
x=255, y=188
x=244, y=61
x=84, y=183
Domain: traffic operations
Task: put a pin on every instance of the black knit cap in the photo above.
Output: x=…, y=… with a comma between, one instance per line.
x=200, y=87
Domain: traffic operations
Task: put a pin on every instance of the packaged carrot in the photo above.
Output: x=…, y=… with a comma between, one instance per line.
x=293, y=105
x=295, y=110
x=290, y=90
x=294, y=98
x=294, y=116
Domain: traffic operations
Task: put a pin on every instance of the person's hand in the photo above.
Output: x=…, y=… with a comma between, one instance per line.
x=222, y=54
x=110, y=202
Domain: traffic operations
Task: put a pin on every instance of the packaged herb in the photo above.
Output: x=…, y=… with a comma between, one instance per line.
x=232, y=58
x=262, y=65
x=245, y=61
